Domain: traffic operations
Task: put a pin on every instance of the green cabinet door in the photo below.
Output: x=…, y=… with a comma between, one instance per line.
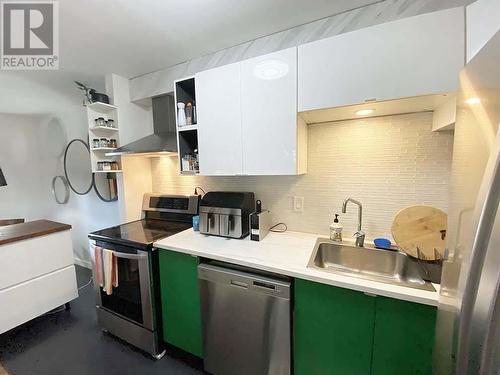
x=404, y=338
x=333, y=330
x=180, y=301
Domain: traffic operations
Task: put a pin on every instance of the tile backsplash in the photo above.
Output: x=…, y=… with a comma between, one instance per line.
x=387, y=163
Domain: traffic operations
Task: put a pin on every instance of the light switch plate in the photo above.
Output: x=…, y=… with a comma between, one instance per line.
x=298, y=204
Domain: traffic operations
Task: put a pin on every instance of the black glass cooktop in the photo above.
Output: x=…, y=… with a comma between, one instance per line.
x=141, y=232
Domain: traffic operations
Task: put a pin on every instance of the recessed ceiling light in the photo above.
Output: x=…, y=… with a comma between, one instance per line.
x=474, y=100
x=365, y=112
x=271, y=69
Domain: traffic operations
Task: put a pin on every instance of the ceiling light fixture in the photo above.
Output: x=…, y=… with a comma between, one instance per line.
x=271, y=69
x=365, y=112
x=473, y=100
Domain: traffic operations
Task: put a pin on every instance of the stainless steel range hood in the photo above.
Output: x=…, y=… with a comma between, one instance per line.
x=164, y=138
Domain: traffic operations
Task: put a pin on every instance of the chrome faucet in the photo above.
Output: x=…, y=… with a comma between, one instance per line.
x=359, y=235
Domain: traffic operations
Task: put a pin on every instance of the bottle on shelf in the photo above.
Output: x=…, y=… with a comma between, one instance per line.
x=189, y=114
x=194, y=114
x=181, y=114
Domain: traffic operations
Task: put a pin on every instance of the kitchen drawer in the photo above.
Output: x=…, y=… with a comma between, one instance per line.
x=28, y=259
x=28, y=300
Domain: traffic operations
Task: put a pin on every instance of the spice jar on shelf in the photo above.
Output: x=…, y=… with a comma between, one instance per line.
x=95, y=143
x=106, y=166
x=112, y=143
x=100, y=121
x=104, y=143
x=99, y=166
x=110, y=123
x=114, y=166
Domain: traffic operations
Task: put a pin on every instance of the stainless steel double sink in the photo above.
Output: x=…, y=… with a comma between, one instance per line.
x=387, y=266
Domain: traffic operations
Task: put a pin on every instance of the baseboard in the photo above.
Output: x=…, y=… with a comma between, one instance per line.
x=83, y=263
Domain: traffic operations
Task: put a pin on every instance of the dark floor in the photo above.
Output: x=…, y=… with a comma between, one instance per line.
x=69, y=342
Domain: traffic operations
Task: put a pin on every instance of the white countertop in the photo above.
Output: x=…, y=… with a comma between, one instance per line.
x=287, y=254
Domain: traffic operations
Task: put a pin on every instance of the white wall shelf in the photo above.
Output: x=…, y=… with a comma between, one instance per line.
x=101, y=107
x=104, y=129
x=107, y=111
x=187, y=127
x=103, y=149
x=187, y=135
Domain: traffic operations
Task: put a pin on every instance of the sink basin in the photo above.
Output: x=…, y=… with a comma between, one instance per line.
x=385, y=266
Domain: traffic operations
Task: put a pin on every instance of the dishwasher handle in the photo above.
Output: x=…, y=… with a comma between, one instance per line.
x=244, y=280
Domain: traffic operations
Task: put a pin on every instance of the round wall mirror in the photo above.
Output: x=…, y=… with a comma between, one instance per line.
x=77, y=166
x=60, y=189
x=105, y=186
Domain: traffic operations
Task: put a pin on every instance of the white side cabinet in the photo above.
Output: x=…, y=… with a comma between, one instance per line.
x=219, y=118
x=247, y=118
x=37, y=276
x=410, y=57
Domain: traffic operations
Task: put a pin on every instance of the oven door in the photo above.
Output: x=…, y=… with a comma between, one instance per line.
x=131, y=299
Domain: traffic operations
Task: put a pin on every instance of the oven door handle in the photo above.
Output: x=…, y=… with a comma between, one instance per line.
x=129, y=256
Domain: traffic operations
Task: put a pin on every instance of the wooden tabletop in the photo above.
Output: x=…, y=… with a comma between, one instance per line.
x=31, y=229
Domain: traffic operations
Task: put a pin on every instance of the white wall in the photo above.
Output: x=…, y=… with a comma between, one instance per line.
x=134, y=122
x=483, y=21
x=46, y=95
x=27, y=192
x=388, y=163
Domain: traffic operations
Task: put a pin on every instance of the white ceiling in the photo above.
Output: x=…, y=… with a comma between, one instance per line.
x=133, y=37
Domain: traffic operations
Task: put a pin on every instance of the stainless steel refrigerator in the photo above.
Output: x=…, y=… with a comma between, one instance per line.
x=468, y=323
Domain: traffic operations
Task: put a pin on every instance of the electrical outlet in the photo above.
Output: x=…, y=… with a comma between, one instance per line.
x=298, y=204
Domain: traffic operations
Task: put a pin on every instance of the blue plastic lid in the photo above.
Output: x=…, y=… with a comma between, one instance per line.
x=382, y=243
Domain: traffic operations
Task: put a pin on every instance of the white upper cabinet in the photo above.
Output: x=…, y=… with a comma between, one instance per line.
x=414, y=56
x=219, y=120
x=269, y=113
x=247, y=118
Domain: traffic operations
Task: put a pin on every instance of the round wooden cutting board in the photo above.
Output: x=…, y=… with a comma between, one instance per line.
x=422, y=227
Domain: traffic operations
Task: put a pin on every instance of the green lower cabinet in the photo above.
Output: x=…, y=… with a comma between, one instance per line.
x=404, y=338
x=333, y=330
x=343, y=332
x=180, y=301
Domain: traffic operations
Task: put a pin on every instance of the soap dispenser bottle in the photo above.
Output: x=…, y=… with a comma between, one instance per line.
x=336, y=229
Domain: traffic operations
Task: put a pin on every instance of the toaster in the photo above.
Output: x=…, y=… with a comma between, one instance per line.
x=226, y=213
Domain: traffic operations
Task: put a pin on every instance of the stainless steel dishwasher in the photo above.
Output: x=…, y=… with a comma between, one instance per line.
x=245, y=320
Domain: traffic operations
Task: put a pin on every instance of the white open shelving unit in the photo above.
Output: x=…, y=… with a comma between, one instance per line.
x=107, y=111
x=187, y=135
